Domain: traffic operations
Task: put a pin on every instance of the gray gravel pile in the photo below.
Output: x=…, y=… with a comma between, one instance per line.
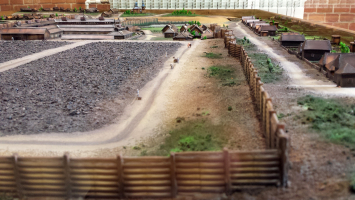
x=77, y=90
x=10, y=50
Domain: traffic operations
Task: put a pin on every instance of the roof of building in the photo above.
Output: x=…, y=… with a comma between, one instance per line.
x=170, y=27
x=257, y=24
x=248, y=17
x=86, y=26
x=88, y=29
x=120, y=33
x=27, y=30
x=184, y=35
x=328, y=57
x=345, y=63
x=268, y=28
x=55, y=30
x=252, y=20
x=196, y=27
x=292, y=38
x=317, y=45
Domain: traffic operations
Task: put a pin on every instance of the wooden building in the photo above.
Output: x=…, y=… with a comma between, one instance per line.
x=245, y=18
x=328, y=63
x=28, y=33
x=313, y=50
x=120, y=35
x=169, y=26
x=345, y=75
x=86, y=29
x=271, y=30
x=184, y=36
x=197, y=29
x=250, y=21
x=86, y=21
x=170, y=33
x=291, y=39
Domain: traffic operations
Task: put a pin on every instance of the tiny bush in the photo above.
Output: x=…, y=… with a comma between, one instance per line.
x=213, y=56
x=344, y=48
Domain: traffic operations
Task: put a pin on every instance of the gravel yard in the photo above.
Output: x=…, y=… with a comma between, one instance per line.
x=10, y=50
x=77, y=90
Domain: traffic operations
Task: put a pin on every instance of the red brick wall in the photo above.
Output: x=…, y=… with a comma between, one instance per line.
x=340, y=13
x=14, y=5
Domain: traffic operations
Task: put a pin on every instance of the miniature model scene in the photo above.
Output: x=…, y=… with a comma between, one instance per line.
x=177, y=100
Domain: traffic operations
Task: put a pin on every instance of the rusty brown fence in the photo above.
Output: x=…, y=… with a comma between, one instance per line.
x=271, y=127
x=143, y=177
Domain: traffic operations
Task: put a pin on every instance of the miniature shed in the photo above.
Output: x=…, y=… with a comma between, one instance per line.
x=170, y=33
x=28, y=33
x=328, y=63
x=86, y=29
x=313, y=50
x=291, y=40
x=271, y=30
x=345, y=75
x=197, y=29
x=183, y=36
x=170, y=26
x=120, y=35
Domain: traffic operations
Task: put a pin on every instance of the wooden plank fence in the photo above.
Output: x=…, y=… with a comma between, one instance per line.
x=143, y=177
x=271, y=126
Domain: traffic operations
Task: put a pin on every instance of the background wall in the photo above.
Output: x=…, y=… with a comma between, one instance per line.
x=9, y=6
x=340, y=13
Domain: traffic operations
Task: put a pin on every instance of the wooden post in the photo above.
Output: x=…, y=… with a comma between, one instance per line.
x=17, y=176
x=120, y=175
x=67, y=174
x=280, y=126
x=284, y=147
x=227, y=171
x=272, y=135
x=173, y=175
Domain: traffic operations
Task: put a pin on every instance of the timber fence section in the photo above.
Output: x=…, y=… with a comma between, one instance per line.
x=272, y=129
x=143, y=177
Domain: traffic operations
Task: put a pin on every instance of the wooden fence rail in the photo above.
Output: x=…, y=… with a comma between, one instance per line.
x=143, y=177
x=270, y=124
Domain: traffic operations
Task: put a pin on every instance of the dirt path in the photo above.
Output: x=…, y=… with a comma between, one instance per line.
x=299, y=77
x=135, y=122
x=318, y=169
x=21, y=61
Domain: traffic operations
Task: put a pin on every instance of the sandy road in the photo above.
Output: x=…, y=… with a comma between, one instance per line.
x=297, y=75
x=139, y=119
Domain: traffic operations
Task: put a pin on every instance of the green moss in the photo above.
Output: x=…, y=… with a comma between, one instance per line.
x=268, y=72
x=194, y=136
x=333, y=120
x=224, y=73
x=213, y=56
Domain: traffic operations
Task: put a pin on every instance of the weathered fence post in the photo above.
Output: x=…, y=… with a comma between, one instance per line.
x=284, y=147
x=17, y=176
x=227, y=170
x=271, y=134
x=120, y=176
x=280, y=126
x=67, y=174
x=173, y=175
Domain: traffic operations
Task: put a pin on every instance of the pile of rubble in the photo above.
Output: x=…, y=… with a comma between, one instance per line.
x=77, y=90
x=10, y=50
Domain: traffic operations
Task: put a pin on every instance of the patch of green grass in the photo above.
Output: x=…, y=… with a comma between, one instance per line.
x=197, y=135
x=214, y=47
x=267, y=71
x=280, y=116
x=225, y=73
x=153, y=29
x=213, y=55
x=137, y=15
x=329, y=117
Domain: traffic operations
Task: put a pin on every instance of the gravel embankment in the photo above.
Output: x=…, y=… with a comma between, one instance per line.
x=77, y=90
x=10, y=50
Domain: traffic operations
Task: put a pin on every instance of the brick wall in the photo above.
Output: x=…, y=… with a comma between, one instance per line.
x=339, y=13
x=14, y=5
